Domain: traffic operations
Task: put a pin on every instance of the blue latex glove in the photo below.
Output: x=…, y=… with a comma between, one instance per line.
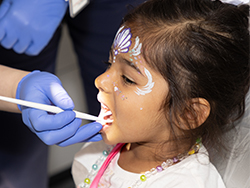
x=61, y=129
x=28, y=25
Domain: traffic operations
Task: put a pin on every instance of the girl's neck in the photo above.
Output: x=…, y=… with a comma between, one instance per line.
x=138, y=158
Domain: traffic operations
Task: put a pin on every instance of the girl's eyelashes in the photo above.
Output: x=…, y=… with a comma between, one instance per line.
x=127, y=80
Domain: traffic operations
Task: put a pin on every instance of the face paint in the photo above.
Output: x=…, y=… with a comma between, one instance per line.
x=137, y=48
x=122, y=42
x=118, y=91
x=148, y=87
x=119, y=30
x=136, y=51
x=123, y=97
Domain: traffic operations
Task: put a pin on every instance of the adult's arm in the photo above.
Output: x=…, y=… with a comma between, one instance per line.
x=9, y=79
x=62, y=129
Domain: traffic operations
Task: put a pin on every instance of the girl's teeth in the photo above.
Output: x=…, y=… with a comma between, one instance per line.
x=107, y=120
x=104, y=121
x=104, y=116
x=108, y=113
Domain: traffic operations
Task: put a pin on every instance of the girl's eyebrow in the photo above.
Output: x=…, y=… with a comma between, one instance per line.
x=131, y=65
x=125, y=61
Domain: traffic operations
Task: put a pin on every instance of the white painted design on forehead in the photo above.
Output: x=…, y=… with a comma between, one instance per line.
x=137, y=48
x=148, y=87
x=122, y=41
x=119, y=30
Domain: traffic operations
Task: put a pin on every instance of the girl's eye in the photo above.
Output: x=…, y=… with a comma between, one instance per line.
x=127, y=80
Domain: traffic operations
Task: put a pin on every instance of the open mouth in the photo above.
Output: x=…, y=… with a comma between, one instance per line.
x=105, y=116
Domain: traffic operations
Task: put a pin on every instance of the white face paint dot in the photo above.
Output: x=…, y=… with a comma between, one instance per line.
x=115, y=88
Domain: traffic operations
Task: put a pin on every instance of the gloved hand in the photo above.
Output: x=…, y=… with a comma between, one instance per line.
x=61, y=129
x=28, y=25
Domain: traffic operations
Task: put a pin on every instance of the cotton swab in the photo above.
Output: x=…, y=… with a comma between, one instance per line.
x=49, y=108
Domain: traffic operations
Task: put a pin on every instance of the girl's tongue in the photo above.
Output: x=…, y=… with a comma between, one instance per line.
x=105, y=115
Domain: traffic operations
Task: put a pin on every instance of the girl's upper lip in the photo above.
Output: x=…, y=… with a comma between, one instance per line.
x=104, y=106
x=101, y=101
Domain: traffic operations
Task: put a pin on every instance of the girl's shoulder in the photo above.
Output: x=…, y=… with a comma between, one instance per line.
x=194, y=172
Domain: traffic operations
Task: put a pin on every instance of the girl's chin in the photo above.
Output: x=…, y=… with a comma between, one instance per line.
x=108, y=141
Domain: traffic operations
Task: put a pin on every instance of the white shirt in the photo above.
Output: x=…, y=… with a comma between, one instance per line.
x=195, y=171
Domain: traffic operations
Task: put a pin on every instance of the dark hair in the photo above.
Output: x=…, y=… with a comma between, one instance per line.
x=201, y=48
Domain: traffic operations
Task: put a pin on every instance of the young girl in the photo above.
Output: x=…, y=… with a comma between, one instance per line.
x=177, y=77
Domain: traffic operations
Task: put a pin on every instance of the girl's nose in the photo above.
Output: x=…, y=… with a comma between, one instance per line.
x=103, y=82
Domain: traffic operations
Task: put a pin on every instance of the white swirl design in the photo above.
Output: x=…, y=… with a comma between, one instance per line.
x=148, y=87
x=137, y=48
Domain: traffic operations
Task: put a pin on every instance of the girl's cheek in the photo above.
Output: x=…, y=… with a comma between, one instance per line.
x=118, y=92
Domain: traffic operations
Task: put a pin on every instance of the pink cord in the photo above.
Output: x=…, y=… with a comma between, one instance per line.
x=112, y=154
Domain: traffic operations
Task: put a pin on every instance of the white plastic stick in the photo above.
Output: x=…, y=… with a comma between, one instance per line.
x=48, y=108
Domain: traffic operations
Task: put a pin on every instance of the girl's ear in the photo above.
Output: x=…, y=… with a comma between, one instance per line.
x=196, y=115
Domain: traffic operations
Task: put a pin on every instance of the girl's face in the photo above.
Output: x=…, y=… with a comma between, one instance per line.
x=131, y=94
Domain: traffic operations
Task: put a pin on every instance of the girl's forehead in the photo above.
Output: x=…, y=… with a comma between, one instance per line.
x=125, y=33
x=130, y=45
x=125, y=42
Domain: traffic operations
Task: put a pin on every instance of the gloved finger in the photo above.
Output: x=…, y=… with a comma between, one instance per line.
x=22, y=44
x=4, y=7
x=43, y=121
x=27, y=122
x=84, y=133
x=57, y=136
x=9, y=39
x=60, y=97
x=34, y=49
x=2, y=33
x=95, y=138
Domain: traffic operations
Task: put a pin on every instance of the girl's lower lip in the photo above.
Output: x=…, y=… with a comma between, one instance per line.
x=106, y=126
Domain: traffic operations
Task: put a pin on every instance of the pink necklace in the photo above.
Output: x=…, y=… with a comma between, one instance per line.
x=96, y=173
